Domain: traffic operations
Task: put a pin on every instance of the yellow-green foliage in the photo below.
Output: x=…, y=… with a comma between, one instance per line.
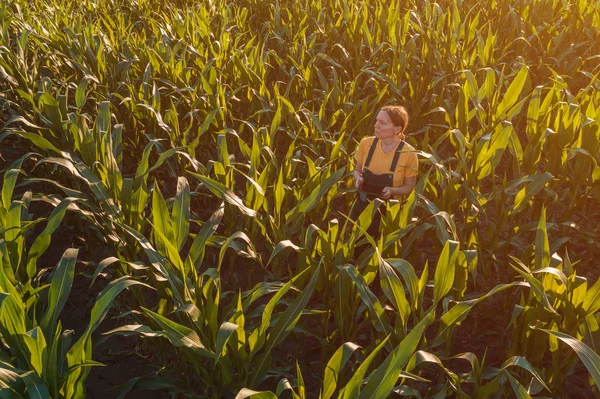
x=207, y=145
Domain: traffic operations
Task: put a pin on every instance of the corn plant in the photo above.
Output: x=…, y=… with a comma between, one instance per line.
x=38, y=357
x=559, y=308
x=208, y=146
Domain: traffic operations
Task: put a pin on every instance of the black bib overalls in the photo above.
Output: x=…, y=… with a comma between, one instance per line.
x=372, y=187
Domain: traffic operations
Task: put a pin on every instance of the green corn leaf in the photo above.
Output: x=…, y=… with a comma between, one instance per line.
x=334, y=366
x=159, y=263
x=225, y=332
x=97, y=186
x=518, y=389
x=10, y=179
x=103, y=121
x=301, y=386
x=556, y=272
x=101, y=266
x=164, y=156
x=68, y=191
x=445, y=270
x=461, y=310
x=535, y=285
x=12, y=317
x=279, y=193
x=352, y=389
x=239, y=235
x=36, y=345
x=285, y=385
x=180, y=335
x=259, y=336
x=210, y=118
x=533, y=111
x=537, y=183
x=60, y=287
x=492, y=147
x=257, y=185
x=308, y=203
x=99, y=189
x=35, y=386
x=10, y=384
x=239, y=319
x=101, y=307
x=14, y=241
x=18, y=119
x=260, y=289
x=376, y=313
x=282, y=328
x=542, y=246
x=149, y=382
x=405, y=390
x=421, y=357
x=225, y=194
x=84, y=365
x=133, y=329
x=473, y=360
x=281, y=246
x=80, y=92
x=513, y=92
x=518, y=361
x=591, y=302
x=42, y=242
x=161, y=222
x=12, y=327
x=157, y=117
x=382, y=380
x=196, y=253
x=39, y=141
x=443, y=221
x=594, y=160
x=409, y=276
x=250, y=394
x=336, y=148
x=181, y=212
x=590, y=359
x=393, y=290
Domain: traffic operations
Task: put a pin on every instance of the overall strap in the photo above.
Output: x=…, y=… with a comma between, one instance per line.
x=397, y=156
x=371, y=151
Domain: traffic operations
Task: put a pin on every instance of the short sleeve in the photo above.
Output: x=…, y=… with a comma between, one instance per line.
x=361, y=153
x=412, y=165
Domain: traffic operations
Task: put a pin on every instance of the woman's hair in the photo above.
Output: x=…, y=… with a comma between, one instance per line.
x=398, y=115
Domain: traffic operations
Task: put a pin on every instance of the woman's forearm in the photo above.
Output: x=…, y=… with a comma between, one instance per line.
x=403, y=190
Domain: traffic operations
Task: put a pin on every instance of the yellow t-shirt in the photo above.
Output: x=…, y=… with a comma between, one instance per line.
x=407, y=166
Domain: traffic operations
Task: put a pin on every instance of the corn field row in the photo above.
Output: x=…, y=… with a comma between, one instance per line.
x=191, y=161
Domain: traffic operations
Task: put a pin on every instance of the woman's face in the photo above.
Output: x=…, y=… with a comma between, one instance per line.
x=384, y=127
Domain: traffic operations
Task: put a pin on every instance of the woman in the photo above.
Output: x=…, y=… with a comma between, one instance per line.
x=386, y=166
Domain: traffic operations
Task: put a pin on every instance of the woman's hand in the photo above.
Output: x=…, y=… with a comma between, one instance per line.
x=405, y=189
x=386, y=193
x=358, y=177
x=358, y=181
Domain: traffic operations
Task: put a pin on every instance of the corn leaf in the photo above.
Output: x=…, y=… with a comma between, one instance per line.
x=282, y=328
x=381, y=382
x=181, y=212
x=179, y=335
x=445, y=270
x=590, y=359
x=352, y=388
x=60, y=287
x=334, y=366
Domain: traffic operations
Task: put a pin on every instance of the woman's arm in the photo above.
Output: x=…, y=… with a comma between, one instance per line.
x=358, y=177
x=405, y=189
